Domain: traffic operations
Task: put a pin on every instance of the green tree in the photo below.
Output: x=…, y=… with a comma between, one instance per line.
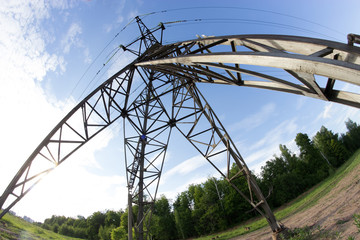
x=183, y=219
x=351, y=139
x=211, y=204
x=330, y=147
x=316, y=166
x=55, y=228
x=55, y=220
x=196, y=194
x=124, y=220
x=80, y=226
x=80, y=233
x=291, y=160
x=94, y=222
x=119, y=233
x=236, y=207
x=113, y=218
x=66, y=230
x=285, y=176
x=105, y=232
x=274, y=168
x=163, y=221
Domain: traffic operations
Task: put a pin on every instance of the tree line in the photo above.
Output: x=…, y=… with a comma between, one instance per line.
x=214, y=205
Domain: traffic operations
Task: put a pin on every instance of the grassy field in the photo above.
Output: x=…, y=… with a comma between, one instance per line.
x=301, y=203
x=12, y=227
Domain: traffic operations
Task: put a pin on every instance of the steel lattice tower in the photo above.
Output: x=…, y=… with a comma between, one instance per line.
x=171, y=100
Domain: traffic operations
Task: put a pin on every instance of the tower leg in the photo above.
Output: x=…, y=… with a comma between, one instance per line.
x=130, y=217
x=145, y=150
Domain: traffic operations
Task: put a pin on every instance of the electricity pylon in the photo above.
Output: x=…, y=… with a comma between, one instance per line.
x=170, y=99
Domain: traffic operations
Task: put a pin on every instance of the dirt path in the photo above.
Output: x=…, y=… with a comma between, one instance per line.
x=333, y=212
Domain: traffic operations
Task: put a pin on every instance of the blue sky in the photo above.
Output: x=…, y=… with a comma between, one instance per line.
x=51, y=54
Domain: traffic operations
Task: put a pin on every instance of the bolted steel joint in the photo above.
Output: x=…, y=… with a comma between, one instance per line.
x=172, y=122
x=124, y=113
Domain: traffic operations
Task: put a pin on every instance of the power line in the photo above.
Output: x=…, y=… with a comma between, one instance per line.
x=99, y=71
x=248, y=9
x=93, y=62
x=237, y=20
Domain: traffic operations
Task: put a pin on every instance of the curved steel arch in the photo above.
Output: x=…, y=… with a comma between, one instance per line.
x=231, y=60
x=173, y=70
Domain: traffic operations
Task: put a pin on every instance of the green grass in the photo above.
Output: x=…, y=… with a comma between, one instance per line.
x=17, y=228
x=301, y=203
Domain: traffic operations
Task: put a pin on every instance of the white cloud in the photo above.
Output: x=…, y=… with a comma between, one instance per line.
x=185, y=167
x=120, y=19
x=22, y=45
x=71, y=38
x=108, y=28
x=87, y=57
x=118, y=61
x=133, y=14
x=140, y=2
x=300, y=102
x=277, y=134
x=326, y=113
x=23, y=60
x=336, y=114
x=183, y=187
x=350, y=88
x=265, y=148
x=255, y=119
x=63, y=4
